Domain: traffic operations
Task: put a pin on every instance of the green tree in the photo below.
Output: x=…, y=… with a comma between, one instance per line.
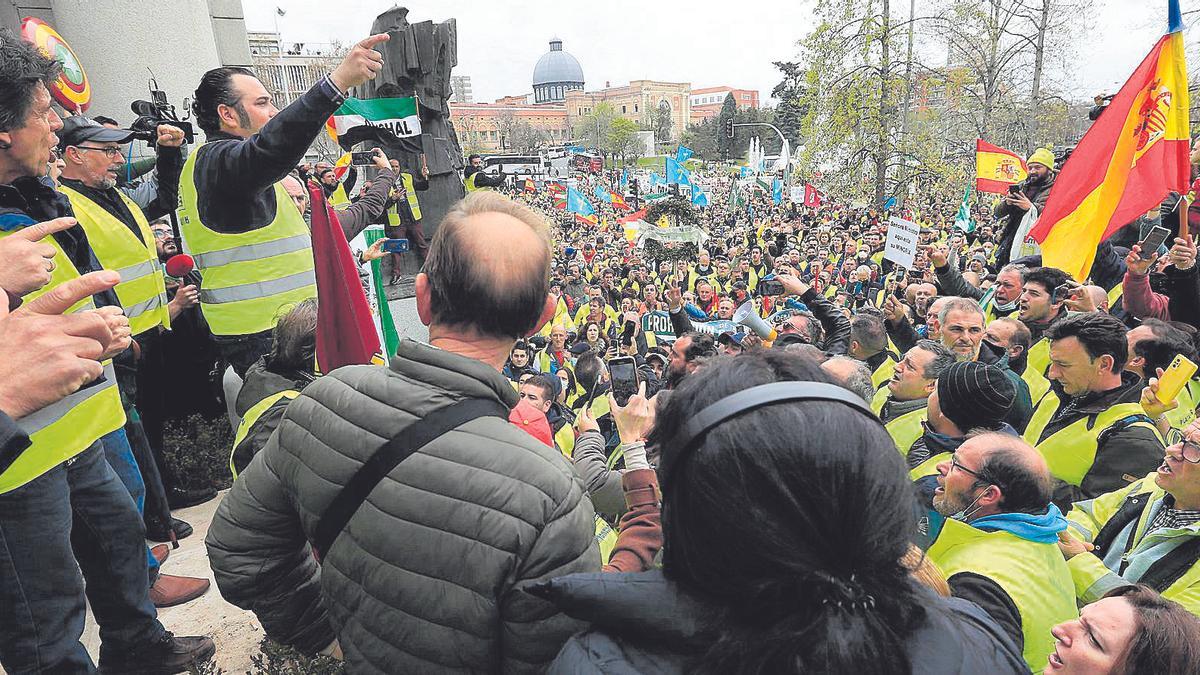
x=622, y=137
x=793, y=104
x=702, y=139
x=595, y=128
x=723, y=141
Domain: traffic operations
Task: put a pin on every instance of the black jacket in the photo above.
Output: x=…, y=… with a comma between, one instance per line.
x=233, y=176
x=259, y=384
x=1009, y=217
x=1122, y=451
x=643, y=623
x=833, y=322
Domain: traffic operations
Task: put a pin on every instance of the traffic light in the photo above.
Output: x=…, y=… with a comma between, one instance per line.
x=729, y=128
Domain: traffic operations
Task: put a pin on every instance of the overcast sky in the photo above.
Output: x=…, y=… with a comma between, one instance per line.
x=703, y=42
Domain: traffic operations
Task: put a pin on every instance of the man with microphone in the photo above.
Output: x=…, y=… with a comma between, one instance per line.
x=237, y=222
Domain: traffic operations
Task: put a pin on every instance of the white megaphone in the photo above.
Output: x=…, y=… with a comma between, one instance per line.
x=746, y=316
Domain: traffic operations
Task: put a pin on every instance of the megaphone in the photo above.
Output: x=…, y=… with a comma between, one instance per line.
x=746, y=316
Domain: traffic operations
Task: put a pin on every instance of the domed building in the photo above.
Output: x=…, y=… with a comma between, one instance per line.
x=556, y=73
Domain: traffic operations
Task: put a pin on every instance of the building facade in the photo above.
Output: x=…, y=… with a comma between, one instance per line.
x=707, y=102
x=501, y=126
x=460, y=89
x=121, y=43
x=639, y=101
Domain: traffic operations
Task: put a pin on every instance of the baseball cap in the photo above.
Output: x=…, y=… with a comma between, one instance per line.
x=76, y=129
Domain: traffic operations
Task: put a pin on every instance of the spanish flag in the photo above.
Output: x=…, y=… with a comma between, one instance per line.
x=997, y=168
x=1126, y=163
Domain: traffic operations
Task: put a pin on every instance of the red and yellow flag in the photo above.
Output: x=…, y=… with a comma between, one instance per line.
x=997, y=168
x=1134, y=154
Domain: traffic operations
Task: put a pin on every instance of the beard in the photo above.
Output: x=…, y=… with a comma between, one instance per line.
x=675, y=376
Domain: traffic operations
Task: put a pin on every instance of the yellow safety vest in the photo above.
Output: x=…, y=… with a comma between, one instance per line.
x=1071, y=451
x=339, y=200
x=142, y=291
x=929, y=466
x=1186, y=412
x=66, y=428
x=884, y=372
x=1115, y=293
x=1034, y=575
x=470, y=183
x=251, y=417
x=1036, y=367
x=564, y=438
x=250, y=278
x=410, y=195
x=905, y=429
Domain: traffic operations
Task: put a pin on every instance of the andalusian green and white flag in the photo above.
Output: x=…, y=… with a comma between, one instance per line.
x=383, y=120
x=963, y=219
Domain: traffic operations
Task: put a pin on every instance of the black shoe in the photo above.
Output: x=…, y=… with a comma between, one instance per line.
x=167, y=655
x=160, y=533
x=179, y=498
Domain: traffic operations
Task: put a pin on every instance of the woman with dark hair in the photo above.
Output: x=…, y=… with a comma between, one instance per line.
x=1131, y=630
x=783, y=549
x=593, y=335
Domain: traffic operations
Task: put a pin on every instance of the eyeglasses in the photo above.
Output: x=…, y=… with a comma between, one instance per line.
x=1188, y=452
x=955, y=464
x=109, y=152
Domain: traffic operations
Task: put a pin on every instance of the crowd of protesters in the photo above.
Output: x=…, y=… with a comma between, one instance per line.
x=768, y=449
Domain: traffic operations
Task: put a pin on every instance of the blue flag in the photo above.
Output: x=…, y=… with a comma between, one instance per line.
x=578, y=205
x=683, y=154
x=777, y=191
x=625, y=179
x=602, y=194
x=677, y=174
x=699, y=197
x=890, y=203
x=656, y=180
x=745, y=172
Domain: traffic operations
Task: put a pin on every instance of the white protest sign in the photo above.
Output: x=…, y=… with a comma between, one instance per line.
x=902, y=238
x=797, y=195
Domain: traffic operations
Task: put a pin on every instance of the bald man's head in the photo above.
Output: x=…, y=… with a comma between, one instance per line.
x=1015, y=467
x=1099, y=297
x=488, y=267
x=296, y=191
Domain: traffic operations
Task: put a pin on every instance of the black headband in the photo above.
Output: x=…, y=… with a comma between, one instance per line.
x=757, y=397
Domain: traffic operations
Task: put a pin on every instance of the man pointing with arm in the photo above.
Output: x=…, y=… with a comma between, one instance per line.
x=246, y=235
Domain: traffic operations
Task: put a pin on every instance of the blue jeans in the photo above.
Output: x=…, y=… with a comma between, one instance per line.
x=77, y=512
x=120, y=457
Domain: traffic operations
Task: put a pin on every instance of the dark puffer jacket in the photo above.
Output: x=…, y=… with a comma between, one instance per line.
x=642, y=623
x=427, y=577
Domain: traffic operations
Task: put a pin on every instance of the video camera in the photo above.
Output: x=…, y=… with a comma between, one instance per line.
x=154, y=112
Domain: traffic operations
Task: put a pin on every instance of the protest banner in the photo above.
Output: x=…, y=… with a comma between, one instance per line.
x=902, y=238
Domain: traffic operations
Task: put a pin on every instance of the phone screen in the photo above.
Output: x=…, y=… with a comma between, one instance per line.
x=623, y=374
x=366, y=158
x=1157, y=237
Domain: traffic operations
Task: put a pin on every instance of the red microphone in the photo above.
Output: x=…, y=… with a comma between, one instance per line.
x=180, y=265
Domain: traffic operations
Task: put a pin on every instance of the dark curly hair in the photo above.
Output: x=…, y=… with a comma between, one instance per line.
x=22, y=67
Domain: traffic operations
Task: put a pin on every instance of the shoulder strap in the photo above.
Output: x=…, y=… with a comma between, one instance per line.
x=1130, y=510
x=403, y=445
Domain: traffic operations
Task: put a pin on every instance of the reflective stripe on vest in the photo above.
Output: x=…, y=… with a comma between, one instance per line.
x=1183, y=415
x=1036, y=367
x=1035, y=576
x=410, y=195
x=393, y=215
x=1071, y=451
x=249, y=277
x=142, y=291
x=251, y=417
x=67, y=427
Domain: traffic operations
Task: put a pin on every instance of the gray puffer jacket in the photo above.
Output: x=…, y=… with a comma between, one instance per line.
x=428, y=575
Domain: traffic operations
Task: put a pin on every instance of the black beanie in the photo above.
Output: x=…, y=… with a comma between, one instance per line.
x=975, y=395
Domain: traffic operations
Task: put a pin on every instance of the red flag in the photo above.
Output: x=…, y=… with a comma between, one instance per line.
x=812, y=197
x=345, y=332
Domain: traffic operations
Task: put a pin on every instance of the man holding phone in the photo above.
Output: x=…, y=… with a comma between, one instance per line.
x=1029, y=193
